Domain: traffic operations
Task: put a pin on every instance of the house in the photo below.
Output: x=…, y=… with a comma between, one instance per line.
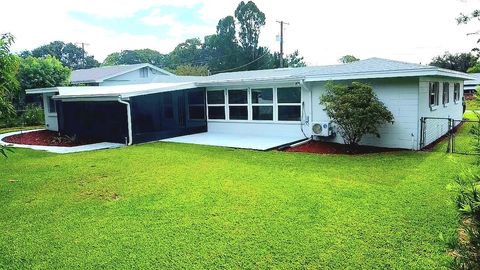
x=278, y=105
x=470, y=86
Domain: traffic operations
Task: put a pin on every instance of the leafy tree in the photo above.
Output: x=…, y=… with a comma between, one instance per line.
x=292, y=60
x=222, y=48
x=459, y=62
x=190, y=52
x=69, y=54
x=250, y=19
x=9, y=84
x=43, y=72
x=355, y=109
x=189, y=70
x=348, y=59
x=129, y=57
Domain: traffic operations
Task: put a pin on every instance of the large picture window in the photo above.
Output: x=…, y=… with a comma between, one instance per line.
x=262, y=104
x=446, y=93
x=255, y=104
x=238, y=104
x=216, y=104
x=433, y=93
x=289, y=103
x=456, y=92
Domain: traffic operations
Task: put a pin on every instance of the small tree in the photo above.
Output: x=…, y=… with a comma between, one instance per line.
x=355, y=110
x=348, y=59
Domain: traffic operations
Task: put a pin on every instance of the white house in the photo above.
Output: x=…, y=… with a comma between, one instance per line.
x=279, y=106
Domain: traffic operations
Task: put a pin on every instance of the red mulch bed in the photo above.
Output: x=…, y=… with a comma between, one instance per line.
x=336, y=148
x=46, y=138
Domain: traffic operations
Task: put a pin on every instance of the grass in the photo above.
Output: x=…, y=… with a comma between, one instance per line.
x=13, y=129
x=472, y=104
x=176, y=206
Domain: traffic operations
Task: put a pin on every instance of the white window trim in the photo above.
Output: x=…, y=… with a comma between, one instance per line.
x=456, y=101
x=250, y=105
x=434, y=106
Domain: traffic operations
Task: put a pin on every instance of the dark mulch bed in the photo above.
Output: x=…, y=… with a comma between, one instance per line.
x=336, y=148
x=45, y=138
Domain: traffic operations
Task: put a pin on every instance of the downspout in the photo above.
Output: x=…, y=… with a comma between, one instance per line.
x=129, y=120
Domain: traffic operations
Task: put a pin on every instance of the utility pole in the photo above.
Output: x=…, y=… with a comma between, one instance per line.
x=281, y=41
x=83, y=50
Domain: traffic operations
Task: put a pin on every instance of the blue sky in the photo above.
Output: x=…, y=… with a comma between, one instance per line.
x=189, y=16
x=323, y=31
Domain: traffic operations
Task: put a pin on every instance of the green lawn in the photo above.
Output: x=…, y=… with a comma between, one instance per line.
x=176, y=206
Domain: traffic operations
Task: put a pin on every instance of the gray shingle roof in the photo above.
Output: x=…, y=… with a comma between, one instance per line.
x=103, y=73
x=360, y=68
x=476, y=80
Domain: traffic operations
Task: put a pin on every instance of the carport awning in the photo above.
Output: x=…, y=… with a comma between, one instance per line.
x=255, y=142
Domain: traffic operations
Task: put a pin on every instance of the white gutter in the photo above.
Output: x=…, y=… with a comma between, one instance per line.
x=129, y=119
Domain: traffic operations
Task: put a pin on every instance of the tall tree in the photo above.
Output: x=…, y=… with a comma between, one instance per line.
x=251, y=20
x=43, y=72
x=348, y=59
x=189, y=70
x=222, y=48
x=459, y=62
x=69, y=54
x=9, y=84
x=129, y=57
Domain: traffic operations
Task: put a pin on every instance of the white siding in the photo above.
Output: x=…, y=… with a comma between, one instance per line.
x=437, y=128
x=401, y=98
x=133, y=77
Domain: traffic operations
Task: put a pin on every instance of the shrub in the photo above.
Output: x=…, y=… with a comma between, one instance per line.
x=355, y=110
x=33, y=115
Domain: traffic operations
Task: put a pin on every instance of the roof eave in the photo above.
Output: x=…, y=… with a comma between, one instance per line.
x=41, y=90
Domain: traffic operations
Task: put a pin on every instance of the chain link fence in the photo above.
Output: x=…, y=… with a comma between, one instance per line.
x=456, y=136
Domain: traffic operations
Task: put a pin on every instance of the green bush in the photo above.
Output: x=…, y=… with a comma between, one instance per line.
x=33, y=115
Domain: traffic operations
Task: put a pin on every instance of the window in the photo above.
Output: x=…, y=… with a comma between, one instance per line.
x=238, y=104
x=216, y=104
x=433, y=93
x=144, y=72
x=456, y=92
x=289, y=103
x=446, y=93
x=262, y=104
x=52, y=107
x=196, y=106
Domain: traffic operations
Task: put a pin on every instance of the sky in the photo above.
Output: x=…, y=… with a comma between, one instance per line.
x=322, y=30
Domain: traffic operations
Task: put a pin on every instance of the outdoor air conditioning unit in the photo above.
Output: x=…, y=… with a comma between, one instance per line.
x=322, y=129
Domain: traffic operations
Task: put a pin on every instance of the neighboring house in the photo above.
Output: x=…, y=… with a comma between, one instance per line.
x=270, y=104
x=470, y=86
x=104, y=76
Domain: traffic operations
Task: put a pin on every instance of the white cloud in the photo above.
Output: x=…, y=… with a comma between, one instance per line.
x=323, y=31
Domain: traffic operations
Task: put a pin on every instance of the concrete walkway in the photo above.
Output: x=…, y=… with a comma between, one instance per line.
x=58, y=149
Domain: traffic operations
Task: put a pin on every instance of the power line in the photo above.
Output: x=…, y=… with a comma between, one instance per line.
x=83, y=50
x=235, y=68
x=281, y=41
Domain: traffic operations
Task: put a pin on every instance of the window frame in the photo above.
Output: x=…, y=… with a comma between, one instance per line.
x=431, y=89
x=257, y=105
x=456, y=92
x=49, y=100
x=224, y=105
x=289, y=104
x=445, y=94
x=247, y=104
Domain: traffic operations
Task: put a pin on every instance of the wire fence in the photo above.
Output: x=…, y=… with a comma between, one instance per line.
x=453, y=136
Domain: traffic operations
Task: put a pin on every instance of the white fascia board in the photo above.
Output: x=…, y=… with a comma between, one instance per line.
x=42, y=90
x=160, y=90
x=86, y=98
x=391, y=74
x=248, y=82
